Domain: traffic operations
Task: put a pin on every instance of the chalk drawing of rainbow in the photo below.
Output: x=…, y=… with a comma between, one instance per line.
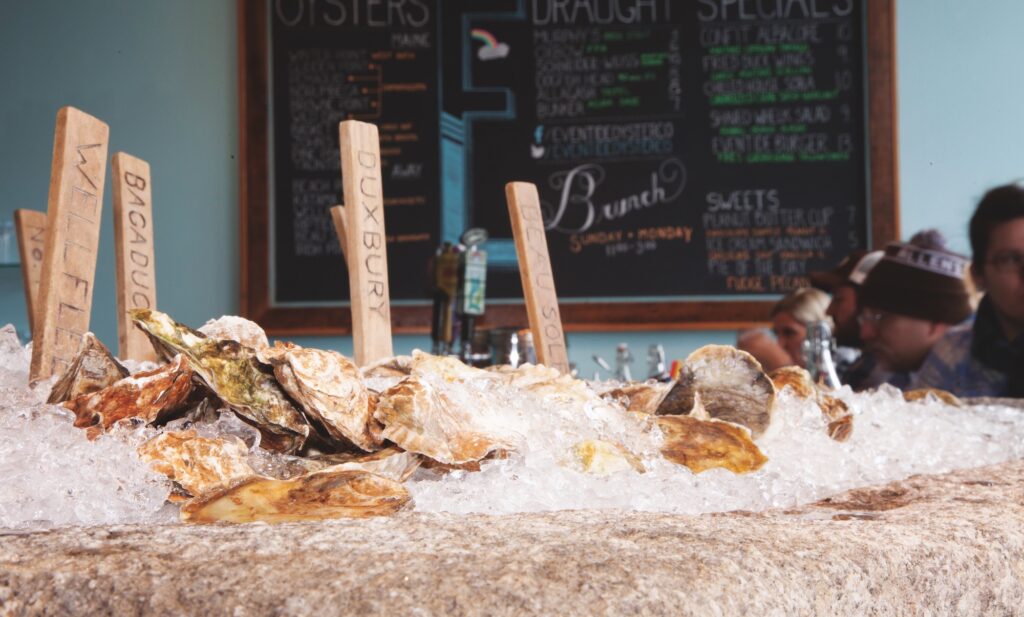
x=492, y=49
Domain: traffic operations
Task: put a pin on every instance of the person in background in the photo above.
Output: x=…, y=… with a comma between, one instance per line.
x=790, y=317
x=909, y=300
x=844, y=283
x=986, y=358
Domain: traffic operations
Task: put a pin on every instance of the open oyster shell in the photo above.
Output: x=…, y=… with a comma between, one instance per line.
x=701, y=443
x=232, y=371
x=198, y=464
x=93, y=368
x=316, y=496
x=921, y=394
x=330, y=389
x=420, y=417
x=602, y=458
x=731, y=385
x=150, y=396
x=795, y=378
x=837, y=414
x=391, y=463
x=640, y=397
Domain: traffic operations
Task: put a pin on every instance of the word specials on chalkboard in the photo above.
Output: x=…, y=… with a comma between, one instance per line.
x=707, y=149
x=680, y=148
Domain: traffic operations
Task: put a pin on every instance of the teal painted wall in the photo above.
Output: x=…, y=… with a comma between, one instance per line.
x=163, y=75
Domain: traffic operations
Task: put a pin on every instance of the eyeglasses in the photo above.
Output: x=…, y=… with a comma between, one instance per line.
x=871, y=318
x=1006, y=262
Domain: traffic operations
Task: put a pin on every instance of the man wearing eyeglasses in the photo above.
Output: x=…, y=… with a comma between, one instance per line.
x=854, y=368
x=909, y=301
x=986, y=358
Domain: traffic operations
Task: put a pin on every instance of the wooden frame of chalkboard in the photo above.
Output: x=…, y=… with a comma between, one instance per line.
x=256, y=126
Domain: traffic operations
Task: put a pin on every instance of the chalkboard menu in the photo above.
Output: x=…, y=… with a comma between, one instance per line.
x=329, y=64
x=694, y=159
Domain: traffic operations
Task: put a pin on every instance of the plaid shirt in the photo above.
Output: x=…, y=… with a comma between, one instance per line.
x=951, y=366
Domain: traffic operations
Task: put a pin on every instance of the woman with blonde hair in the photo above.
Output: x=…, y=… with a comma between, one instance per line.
x=790, y=318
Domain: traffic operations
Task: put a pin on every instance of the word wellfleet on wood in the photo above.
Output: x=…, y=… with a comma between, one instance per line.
x=72, y=239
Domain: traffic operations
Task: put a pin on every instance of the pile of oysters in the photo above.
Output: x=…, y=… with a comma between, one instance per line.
x=305, y=434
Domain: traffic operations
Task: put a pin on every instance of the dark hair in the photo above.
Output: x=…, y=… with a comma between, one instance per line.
x=999, y=205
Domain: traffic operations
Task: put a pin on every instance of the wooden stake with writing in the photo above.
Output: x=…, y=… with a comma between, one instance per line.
x=366, y=252
x=31, y=229
x=535, y=271
x=338, y=216
x=133, y=251
x=73, y=212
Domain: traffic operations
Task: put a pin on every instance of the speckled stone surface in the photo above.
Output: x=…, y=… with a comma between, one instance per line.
x=930, y=545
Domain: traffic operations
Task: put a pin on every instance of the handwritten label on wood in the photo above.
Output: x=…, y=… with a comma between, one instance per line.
x=535, y=271
x=366, y=254
x=133, y=251
x=338, y=216
x=31, y=229
x=77, y=174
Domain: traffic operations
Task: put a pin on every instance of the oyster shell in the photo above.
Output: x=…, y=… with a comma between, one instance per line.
x=840, y=420
x=316, y=496
x=731, y=385
x=397, y=366
x=234, y=328
x=198, y=464
x=93, y=368
x=603, y=458
x=640, y=397
x=150, y=396
x=419, y=417
x=701, y=444
x=796, y=378
x=921, y=394
x=330, y=389
x=391, y=463
x=235, y=375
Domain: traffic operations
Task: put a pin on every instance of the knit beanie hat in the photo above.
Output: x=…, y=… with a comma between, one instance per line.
x=926, y=283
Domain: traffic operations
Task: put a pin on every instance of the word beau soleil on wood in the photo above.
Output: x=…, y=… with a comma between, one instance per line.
x=75, y=202
x=133, y=250
x=535, y=271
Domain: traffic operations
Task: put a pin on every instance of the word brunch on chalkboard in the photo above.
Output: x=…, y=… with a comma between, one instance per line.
x=693, y=160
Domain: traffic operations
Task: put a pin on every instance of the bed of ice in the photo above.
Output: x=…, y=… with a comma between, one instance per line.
x=54, y=476
x=891, y=440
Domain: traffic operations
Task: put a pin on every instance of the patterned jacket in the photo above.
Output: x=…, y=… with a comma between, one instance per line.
x=951, y=366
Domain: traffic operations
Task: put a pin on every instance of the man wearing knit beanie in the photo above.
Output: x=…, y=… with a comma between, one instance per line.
x=843, y=283
x=986, y=358
x=909, y=300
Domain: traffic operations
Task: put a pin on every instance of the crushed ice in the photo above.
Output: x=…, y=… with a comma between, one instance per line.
x=891, y=440
x=54, y=476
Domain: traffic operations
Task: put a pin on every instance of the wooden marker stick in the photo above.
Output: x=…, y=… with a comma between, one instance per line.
x=73, y=212
x=366, y=254
x=338, y=216
x=31, y=229
x=133, y=250
x=535, y=271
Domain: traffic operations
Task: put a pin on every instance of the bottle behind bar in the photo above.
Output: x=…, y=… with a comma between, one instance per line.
x=819, y=348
